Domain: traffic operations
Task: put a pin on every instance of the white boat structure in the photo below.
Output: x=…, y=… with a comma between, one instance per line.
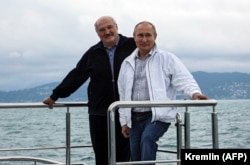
x=180, y=126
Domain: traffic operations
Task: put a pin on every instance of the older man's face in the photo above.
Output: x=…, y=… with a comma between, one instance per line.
x=144, y=38
x=107, y=31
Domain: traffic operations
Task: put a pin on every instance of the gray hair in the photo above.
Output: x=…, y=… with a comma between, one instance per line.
x=104, y=17
x=145, y=22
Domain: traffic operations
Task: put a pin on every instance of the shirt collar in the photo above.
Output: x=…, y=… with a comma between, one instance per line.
x=149, y=54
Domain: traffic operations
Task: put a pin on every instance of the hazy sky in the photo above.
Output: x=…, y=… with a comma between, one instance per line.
x=42, y=40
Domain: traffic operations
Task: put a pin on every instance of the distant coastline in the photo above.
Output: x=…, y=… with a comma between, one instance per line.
x=220, y=86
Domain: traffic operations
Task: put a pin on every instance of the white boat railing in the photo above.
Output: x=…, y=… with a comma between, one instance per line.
x=34, y=159
x=174, y=103
x=67, y=147
x=111, y=112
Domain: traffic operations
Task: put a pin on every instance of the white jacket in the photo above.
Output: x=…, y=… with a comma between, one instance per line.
x=166, y=75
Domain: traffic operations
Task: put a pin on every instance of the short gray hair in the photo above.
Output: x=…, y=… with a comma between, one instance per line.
x=104, y=17
x=145, y=22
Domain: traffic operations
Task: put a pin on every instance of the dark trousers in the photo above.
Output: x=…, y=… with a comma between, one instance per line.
x=99, y=137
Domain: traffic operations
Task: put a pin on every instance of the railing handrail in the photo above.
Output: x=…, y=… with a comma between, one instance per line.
x=41, y=105
x=27, y=158
x=176, y=103
x=43, y=148
x=163, y=103
x=133, y=104
x=34, y=159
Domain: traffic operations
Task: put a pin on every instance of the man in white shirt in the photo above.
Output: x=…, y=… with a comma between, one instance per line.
x=151, y=74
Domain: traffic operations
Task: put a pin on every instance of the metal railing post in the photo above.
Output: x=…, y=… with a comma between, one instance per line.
x=109, y=145
x=179, y=137
x=215, y=137
x=187, y=129
x=67, y=136
x=111, y=136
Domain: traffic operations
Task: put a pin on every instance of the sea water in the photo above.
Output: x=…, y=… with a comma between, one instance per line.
x=42, y=127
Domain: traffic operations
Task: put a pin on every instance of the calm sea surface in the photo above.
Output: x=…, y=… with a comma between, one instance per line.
x=40, y=127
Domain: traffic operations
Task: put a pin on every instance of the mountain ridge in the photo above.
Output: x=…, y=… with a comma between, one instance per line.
x=231, y=85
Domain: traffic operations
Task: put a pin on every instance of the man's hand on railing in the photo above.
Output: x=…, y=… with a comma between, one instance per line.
x=198, y=96
x=49, y=102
